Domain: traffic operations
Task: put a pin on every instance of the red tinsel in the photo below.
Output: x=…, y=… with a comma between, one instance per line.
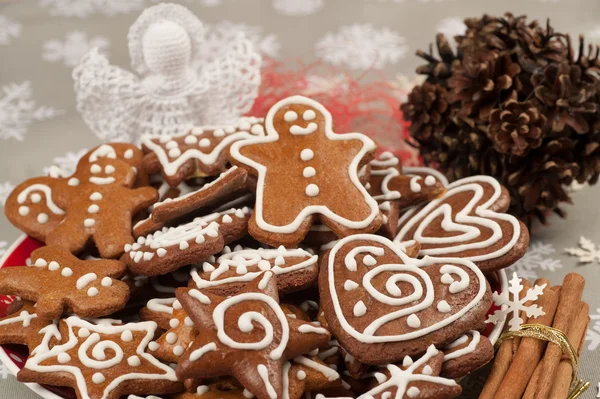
x=367, y=104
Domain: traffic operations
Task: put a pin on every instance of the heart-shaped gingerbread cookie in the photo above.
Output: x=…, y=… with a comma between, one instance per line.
x=383, y=305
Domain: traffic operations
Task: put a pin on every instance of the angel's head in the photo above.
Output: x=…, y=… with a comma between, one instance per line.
x=167, y=48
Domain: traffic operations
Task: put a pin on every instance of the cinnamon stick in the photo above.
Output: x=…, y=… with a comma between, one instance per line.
x=502, y=361
x=530, y=350
x=570, y=297
x=563, y=379
x=540, y=281
x=533, y=382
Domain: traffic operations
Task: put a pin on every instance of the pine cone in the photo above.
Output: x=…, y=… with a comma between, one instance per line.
x=427, y=110
x=478, y=86
x=560, y=87
x=516, y=127
x=438, y=70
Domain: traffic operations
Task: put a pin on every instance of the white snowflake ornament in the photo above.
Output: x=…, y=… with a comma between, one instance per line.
x=587, y=253
x=73, y=48
x=9, y=29
x=510, y=303
x=175, y=86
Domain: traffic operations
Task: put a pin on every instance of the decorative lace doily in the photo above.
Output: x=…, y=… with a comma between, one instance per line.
x=174, y=87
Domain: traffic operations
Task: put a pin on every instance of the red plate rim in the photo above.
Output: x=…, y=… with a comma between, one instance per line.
x=31, y=244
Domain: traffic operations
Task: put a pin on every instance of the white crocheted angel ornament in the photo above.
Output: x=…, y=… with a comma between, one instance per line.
x=175, y=88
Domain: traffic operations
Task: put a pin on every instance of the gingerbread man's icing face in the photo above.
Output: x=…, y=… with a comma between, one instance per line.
x=105, y=172
x=306, y=172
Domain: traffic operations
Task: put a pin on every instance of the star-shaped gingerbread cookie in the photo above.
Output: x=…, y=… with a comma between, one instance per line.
x=306, y=173
x=22, y=325
x=247, y=336
x=59, y=282
x=395, y=190
x=200, y=152
x=102, y=361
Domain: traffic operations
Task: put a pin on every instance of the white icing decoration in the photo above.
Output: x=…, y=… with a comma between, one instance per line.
x=109, y=169
x=95, y=168
x=40, y=262
x=301, y=375
x=429, y=180
x=22, y=197
x=102, y=180
x=24, y=317
x=263, y=372
x=42, y=218
x=306, y=155
x=173, y=323
x=299, y=130
x=312, y=190
x=103, y=151
x=415, y=187
x=73, y=182
x=455, y=286
x=198, y=353
x=413, y=392
x=85, y=280
x=53, y=266
x=252, y=259
x=308, y=328
x=93, y=208
x=23, y=210
x=63, y=358
x=98, y=378
x=171, y=338
x=66, y=272
x=359, y=309
x=463, y=223
x=328, y=372
x=134, y=361
x=309, y=171
x=202, y=389
x=92, y=291
x=178, y=350
x=413, y=321
x=127, y=336
x=476, y=337
x=443, y=307
x=96, y=196
x=421, y=297
x=89, y=222
x=389, y=173
x=350, y=285
x=290, y=116
x=309, y=115
x=128, y=154
x=161, y=305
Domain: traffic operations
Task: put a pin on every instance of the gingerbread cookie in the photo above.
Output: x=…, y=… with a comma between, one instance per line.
x=102, y=361
x=304, y=171
x=296, y=269
x=229, y=185
x=229, y=342
x=382, y=305
x=395, y=191
x=200, y=152
x=22, y=325
x=465, y=355
x=159, y=310
x=173, y=247
x=415, y=379
x=468, y=221
x=59, y=283
x=37, y=206
x=178, y=336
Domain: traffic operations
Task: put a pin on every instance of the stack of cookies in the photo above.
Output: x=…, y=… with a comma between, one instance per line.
x=270, y=258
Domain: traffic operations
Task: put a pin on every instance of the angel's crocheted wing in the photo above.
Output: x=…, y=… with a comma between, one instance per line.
x=108, y=97
x=233, y=79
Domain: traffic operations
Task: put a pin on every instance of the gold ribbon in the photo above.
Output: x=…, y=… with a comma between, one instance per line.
x=545, y=333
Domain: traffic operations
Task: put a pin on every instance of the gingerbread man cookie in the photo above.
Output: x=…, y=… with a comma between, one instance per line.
x=200, y=152
x=395, y=191
x=468, y=221
x=34, y=206
x=306, y=172
x=247, y=336
x=296, y=269
x=382, y=305
x=59, y=282
x=173, y=247
x=102, y=361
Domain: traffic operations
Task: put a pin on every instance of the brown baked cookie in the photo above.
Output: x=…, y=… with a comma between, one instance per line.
x=173, y=247
x=200, y=152
x=61, y=283
x=229, y=327
x=394, y=190
x=222, y=388
x=306, y=173
x=22, y=326
x=468, y=353
x=468, y=221
x=179, y=335
x=308, y=374
x=414, y=379
x=295, y=269
x=101, y=361
x=382, y=305
x=159, y=310
x=34, y=206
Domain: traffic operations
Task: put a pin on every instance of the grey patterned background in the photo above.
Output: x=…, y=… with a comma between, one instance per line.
x=41, y=40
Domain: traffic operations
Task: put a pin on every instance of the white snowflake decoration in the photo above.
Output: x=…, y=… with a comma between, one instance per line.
x=587, y=253
x=65, y=165
x=85, y=8
x=18, y=110
x=509, y=302
x=75, y=45
x=175, y=85
x=538, y=257
x=220, y=35
x=297, y=7
x=452, y=26
x=5, y=190
x=362, y=46
x=9, y=29
x=593, y=332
